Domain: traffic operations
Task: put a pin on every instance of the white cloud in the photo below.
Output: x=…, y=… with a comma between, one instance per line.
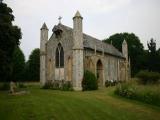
x=53, y=6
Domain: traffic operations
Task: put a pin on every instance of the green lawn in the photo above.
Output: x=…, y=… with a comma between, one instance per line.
x=102, y=104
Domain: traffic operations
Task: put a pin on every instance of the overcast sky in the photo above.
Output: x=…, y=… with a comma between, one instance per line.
x=102, y=18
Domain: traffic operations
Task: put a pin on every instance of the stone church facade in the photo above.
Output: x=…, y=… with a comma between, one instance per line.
x=69, y=52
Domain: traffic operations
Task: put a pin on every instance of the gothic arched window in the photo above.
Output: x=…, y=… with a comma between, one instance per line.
x=59, y=56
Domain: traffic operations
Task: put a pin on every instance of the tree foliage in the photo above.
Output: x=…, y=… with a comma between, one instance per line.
x=146, y=77
x=9, y=39
x=135, y=49
x=152, y=46
x=18, y=65
x=153, y=56
x=33, y=66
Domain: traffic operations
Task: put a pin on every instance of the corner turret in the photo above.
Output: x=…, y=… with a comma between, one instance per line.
x=127, y=63
x=125, y=49
x=43, y=41
x=78, y=65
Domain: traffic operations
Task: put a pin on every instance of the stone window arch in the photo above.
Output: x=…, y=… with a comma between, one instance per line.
x=59, y=56
x=99, y=67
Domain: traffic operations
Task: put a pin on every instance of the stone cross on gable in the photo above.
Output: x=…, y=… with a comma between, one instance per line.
x=59, y=19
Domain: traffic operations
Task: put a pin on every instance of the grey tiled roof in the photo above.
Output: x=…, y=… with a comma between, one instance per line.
x=90, y=43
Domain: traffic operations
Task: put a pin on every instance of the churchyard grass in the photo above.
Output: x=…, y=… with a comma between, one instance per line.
x=102, y=104
x=145, y=93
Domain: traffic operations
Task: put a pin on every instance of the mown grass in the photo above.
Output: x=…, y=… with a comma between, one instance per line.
x=40, y=104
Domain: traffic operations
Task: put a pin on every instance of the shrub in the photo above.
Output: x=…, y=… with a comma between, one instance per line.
x=55, y=85
x=125, y=90
x=5, y=86
x=110, y=83
x=89, y=81
x=51, y=85
x=147, y=77
x=147, y=94
x=58, y=85
x=67, y=86
x=21, y=85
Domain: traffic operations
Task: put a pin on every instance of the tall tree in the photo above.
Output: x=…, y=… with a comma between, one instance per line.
x=153, y=56
x=135, y=49
x=18, y=65
x=9, y=39
x=33, y=65
x=152, y=46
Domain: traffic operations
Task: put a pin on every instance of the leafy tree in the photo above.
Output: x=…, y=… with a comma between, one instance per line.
x=158, y=51
x=135, y=49
x=9, y=39
x=33, y=65
x=153, y=56
x=152, y=46
x=18, y=65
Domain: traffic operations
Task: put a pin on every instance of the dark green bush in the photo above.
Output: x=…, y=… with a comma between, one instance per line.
x=21, y=85
x=55, y=85
x=89, y=81
x=51, y=85
x=5, y=86
x=67, y=86
x=147, y=77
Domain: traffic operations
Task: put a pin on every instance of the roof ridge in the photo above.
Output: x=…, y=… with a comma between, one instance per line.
x=96, y=41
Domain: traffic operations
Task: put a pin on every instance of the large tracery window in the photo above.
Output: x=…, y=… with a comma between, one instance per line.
x=59, y=56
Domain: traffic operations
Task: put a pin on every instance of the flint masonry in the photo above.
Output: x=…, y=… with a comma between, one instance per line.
x=69, y=52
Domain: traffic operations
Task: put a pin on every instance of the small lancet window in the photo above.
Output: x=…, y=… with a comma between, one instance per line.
x=59, y=56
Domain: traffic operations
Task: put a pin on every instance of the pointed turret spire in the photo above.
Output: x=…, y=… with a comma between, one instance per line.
x=78, y=26
x=44, y=26
x=124, y=41
x=77, y=15
x=125, y=49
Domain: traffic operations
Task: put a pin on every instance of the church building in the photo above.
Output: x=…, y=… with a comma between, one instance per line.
x=69, y=52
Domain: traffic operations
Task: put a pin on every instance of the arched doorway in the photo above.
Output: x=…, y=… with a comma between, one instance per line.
x=59, y=63
x=99, y=72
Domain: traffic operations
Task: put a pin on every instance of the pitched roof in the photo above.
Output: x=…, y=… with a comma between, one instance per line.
x=90, y=43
